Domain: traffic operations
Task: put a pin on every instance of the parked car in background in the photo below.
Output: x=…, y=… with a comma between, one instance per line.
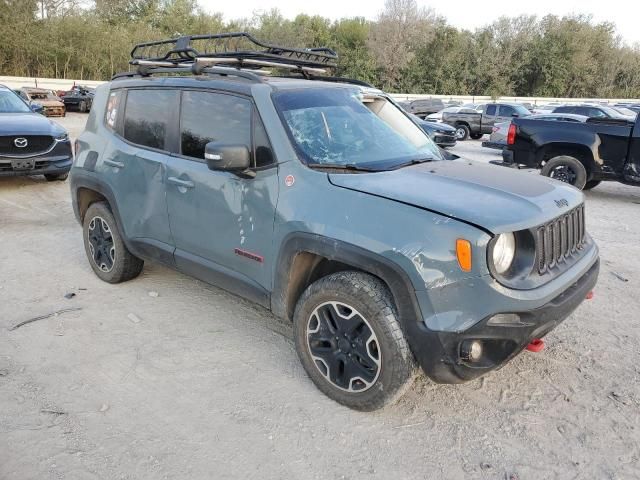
x=437, y=117
x=579, y=153
x=424, y=106
x=474, y=124
x=51, y=105
x=594, y=111
x=442, y=134
x=79, y=98
x=500, y=131
x=634, y=107
x=31, y=144
x=33, y=105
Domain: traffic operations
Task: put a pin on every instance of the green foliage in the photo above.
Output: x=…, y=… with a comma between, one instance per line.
x=407, y=48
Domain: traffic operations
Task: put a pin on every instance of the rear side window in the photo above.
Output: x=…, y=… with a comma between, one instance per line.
x=147, y=117
x=113, y=107
x=213, y=117
x=491, y=110
x=564, y=110
x=507, y=111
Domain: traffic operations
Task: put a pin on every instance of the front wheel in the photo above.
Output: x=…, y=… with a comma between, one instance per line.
x=350, y=343
x=566, y=169
x=462, y=132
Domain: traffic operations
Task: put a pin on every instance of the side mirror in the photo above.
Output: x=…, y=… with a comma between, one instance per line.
x=230, y=158
x=36, y=107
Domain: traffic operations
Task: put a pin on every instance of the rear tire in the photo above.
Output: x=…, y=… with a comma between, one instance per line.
x=462, y=132
x=349, y=340
x=566, y=169
x=591, y=184
x=56, y=178
x=476, y=136
x=105, y=249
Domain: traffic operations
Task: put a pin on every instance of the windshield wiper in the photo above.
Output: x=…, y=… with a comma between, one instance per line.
x=342, y=166
x=415, y=161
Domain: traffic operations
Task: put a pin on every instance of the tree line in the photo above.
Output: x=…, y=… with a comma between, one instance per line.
x=405, y=49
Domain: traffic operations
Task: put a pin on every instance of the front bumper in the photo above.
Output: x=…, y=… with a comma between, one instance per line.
x=45, y=165
x=438, y=352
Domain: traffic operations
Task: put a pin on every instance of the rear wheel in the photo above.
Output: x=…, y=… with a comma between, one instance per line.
x=105, y=249
x=591, y=184
x=349, y=341
x=566, y=169
x=462, y=132
x=476, y=136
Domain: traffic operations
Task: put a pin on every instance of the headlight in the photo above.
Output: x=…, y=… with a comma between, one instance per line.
x=62, y=137
x=504, y=250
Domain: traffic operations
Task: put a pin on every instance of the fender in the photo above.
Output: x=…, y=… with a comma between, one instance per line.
x=423, y=342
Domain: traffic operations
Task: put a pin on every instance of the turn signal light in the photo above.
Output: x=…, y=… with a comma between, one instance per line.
x=463, y=252
x=511, y=136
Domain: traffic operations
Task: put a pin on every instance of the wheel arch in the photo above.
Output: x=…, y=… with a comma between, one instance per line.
x=305, y=258
x=580, y=152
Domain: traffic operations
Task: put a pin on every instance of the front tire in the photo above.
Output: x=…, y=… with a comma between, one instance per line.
x=566, y=169
x=462, y=132
x=348, y=338
x=105, y=249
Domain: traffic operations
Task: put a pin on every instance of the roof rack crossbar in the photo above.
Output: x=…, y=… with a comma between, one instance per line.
x=148, y=69
x=239, y=46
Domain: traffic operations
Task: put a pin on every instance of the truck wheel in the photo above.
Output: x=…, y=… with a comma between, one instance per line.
x=462, y=132
x=55, y=178
x=83, y=107
x=476, y=136
x=591, y=184
x=107, y=253
x=348, y=338
x=566, y=169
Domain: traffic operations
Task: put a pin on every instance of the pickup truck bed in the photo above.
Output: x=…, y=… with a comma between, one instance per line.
x=607, y=149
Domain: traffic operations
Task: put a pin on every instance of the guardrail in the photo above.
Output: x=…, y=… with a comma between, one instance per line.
x=64, y=84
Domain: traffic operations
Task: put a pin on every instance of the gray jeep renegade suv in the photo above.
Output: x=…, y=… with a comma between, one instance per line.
x=324, y=202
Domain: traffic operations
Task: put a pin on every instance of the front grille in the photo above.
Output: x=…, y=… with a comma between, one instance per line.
x=35, y=144
x=560, y=239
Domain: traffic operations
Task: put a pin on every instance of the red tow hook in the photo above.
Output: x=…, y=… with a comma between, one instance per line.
x=590, y=295
x=536, y=345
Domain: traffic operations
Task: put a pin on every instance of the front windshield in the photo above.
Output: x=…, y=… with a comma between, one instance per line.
x=344, y=127
x=521, y=110
x=11, y=103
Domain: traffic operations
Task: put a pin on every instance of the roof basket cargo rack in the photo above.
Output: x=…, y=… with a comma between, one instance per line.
x=237, y=50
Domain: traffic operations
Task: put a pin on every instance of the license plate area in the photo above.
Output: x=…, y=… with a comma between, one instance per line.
x=23, y=163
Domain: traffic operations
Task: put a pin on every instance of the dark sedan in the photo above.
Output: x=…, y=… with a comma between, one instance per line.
x=442, y=134
x=31, y=144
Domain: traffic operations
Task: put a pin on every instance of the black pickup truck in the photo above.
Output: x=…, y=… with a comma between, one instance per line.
x=582, y=154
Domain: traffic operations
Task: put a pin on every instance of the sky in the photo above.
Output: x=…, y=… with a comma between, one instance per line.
x=468, y=14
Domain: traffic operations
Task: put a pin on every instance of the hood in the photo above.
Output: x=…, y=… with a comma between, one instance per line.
x=28, y=124
x=497, y=199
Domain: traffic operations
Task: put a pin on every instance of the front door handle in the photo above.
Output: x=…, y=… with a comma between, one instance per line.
x=113, y=163
x=181, y=183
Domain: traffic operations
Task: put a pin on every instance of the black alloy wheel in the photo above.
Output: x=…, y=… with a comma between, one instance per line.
x=101, y=244
x=343, y=346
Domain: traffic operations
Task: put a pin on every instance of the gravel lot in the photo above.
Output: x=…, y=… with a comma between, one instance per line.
x=206, y=385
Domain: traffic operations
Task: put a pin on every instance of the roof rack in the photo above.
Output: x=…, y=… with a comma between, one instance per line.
x=239, y=50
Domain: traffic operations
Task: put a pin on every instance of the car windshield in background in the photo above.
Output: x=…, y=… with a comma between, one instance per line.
x=343, y=127
x=10, y=103
x=521, y=110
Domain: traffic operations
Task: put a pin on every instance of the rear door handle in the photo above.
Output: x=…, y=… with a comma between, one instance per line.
x=113, y=163
x=181, y=183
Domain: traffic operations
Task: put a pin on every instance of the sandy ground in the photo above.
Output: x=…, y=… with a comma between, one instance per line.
x=206, y=385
